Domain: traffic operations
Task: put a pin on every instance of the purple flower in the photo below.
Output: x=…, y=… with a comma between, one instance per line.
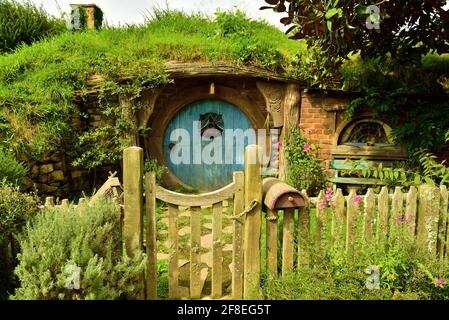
x=440, y=282
x=322, y=204
x=357, y=199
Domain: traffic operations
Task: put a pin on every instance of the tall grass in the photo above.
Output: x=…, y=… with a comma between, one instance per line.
x=24, y=23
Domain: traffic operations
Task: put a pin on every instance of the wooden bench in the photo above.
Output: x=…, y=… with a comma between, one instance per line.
x=349, y=172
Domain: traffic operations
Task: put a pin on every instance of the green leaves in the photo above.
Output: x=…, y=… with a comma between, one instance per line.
x=304, y=167
x=332, y=12
x=90, y=242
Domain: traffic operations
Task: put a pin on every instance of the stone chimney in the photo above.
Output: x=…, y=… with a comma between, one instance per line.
x=90, y=13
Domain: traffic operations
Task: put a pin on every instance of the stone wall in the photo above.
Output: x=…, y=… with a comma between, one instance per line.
x=53, y=175
x=48, y=175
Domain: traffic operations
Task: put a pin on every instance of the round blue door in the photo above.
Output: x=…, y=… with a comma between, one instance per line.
x=204, y=143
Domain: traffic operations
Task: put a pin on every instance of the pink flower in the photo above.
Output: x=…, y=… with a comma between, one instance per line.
x=322, y=204
x=309, y=131
x=329, y=195
x=357, y=199
x=280, y=144
x=306, y=147
x=440, y=282
x=409, y=217
x=399, y=220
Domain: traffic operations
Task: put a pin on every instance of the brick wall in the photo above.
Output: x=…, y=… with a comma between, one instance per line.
x=321, y=123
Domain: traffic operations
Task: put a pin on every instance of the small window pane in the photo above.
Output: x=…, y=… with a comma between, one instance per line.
x=366, y=133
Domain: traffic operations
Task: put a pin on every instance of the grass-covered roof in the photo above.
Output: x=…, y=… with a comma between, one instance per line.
x=38, y=82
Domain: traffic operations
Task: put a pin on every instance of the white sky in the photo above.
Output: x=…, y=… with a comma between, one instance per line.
x=121, y=11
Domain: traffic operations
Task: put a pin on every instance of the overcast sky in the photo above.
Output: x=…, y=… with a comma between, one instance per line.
x=131, y=11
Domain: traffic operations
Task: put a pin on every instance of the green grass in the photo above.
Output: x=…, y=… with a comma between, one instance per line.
x=38, y=82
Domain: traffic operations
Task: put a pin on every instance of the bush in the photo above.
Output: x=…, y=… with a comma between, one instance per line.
x=11, y=170
x=57, y=243
x=304, y=167
x=152, y=165
x=16, y=209
x=24, y=23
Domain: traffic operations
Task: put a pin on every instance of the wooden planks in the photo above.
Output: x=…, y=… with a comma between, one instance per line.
x=369, y=212
x=410, y=209
x=338, y=222
x=217, y=254
x=151, y=246
x=351, y=220
x=320, y=219
x=173, y=271
x=251, y=244
x=195, y=253
x=272, y=242
x=382, y=218
x=442, y=222
x=396, y=215
x=303, y=235
x=133, y=204
x=133, y=198
x=204, y=199
x=288, y=241
x=428, y=215
x=237, y=241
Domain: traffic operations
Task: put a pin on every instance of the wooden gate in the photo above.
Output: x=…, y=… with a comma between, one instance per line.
x=245, y=193
x=194, y=204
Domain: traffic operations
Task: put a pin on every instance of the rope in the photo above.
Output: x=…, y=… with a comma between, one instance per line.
x=248, y=209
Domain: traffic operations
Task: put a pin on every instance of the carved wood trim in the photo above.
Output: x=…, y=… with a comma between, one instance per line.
x=273, y=94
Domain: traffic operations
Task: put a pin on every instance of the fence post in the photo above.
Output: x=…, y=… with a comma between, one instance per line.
x=382, y=218
x=428, y=214
x=49, y=202
x=410, y=210
x=338, y=222
x=133, y=201
x=237, y=243
x=442, y=223
x=150, y=198
x=303, y=233
x=251, y=245
x=370, y=205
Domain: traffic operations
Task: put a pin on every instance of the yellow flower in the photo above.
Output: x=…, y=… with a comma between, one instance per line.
x=391, y=277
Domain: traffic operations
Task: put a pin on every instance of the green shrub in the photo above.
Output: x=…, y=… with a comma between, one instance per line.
x=304, y=169
x=11, y=170
x=152, y=165
x=16, y=209
x=60, y=241
x=24, y=23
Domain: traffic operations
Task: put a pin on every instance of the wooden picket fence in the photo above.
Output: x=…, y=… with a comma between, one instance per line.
x=350, y=221
x=345, y=222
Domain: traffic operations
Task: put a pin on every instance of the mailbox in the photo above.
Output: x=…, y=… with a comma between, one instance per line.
x=278, y=195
